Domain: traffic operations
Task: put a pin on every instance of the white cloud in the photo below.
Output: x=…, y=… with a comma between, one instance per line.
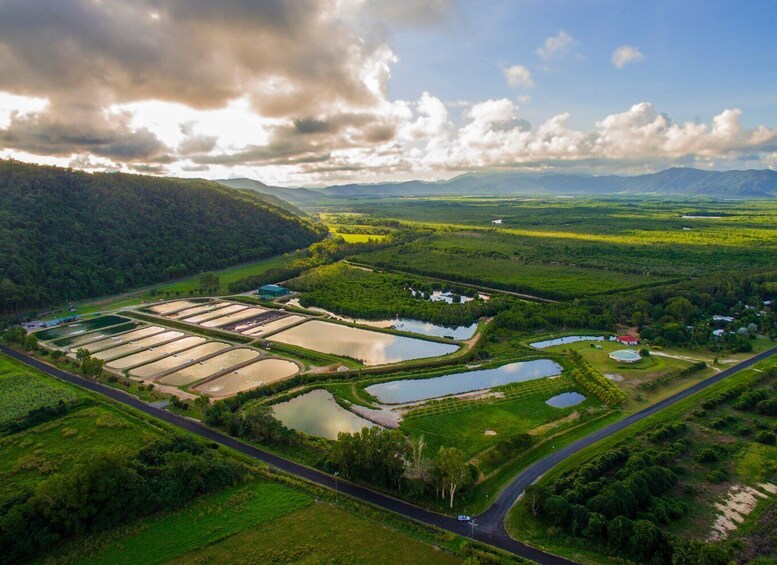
x=626, y=54
x=518, y=75
x=556, y=45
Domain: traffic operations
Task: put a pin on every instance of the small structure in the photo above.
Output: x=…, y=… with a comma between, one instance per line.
x=270, y=291
x=717, y=318
x=625, y=356
x=627, y=340
x=718, y=333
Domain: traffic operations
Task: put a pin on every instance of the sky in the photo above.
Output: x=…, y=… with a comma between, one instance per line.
x=318, y=92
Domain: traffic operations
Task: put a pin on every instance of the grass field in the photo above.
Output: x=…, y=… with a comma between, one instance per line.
x=22, y=391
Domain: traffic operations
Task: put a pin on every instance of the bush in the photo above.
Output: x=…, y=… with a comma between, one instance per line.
x=766, y=437
x=707, y=455
x=717, y=476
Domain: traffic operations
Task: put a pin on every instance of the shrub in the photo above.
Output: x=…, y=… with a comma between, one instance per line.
x=707, y=455
x=717, y=476
x=766, y=437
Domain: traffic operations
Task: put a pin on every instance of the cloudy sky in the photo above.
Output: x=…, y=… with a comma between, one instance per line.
x=312, y=92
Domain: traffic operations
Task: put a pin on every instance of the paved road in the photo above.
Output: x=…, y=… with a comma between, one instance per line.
x=490, y=527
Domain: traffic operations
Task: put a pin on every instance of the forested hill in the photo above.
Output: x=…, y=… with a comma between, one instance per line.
x=66, y=234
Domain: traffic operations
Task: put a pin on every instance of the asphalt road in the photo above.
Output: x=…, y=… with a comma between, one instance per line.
x=490, y=528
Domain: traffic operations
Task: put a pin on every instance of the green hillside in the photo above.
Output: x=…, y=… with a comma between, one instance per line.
x=66, y=235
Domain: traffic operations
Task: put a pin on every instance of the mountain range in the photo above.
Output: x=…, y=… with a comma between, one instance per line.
x=676, y=182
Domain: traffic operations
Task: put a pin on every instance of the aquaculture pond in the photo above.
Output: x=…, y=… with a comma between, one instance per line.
x=264, y=371
x=155, y=352
x=565, y=400
x=189, y=312
x=131, y=347
x=95, y=335
x=412, y=390
x=274, y=325
x=223, y=311
x=203, y=369
x=565, y=340
x=117, y=340
x=316, y=413
x=178, y=359
x=427, y=328
x=230, y=318
x=170, y=307
x=79, y=327
x=370, y=347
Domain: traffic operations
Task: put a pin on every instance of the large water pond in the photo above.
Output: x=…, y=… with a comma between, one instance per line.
x=117, y=340
x=203, y=369
x=275, y=325
x=318, y=414
x=95, y=335
x=565, y=400
x=371, y=348
x=169, y=307
x=156, y=352
x=113, y=353
x=412, y=390
x=189, y=312
x=229, y=309
x=427, y=328
x=79, y=327
x=264, y=371
x=566, y=340
x=178, y=359
x=230, y=318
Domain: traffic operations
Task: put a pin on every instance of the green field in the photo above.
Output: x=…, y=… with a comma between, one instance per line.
x=20, y=392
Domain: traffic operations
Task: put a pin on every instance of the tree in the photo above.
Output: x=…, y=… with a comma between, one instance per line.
x=82, y=354
x=556, y=509
x=418, y=466
x=30, y=342
x=14, y=334
x=451, y=463
x=619, y=532
x=209, y=281
x=535, y=496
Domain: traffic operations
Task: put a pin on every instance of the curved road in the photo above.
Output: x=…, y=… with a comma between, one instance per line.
x=490, y=528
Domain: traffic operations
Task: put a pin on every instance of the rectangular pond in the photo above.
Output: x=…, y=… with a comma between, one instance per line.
x=137, y=345
x=189, y=312
x=316, y=413
x=435, y=330
x=413, y=390
x=203, y=369
x=370, y=347
x=264, y=371
x=174, y=306
x=155, y=352
x=177, y=359
x=223, y=311
x=79, y=327
x=275, y=325
x=235, y=317
x=566, y=340
x=117, y=340
x=95, y=335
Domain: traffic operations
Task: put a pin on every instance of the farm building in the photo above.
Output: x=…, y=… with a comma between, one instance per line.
x=272, y=291
x=627, y=340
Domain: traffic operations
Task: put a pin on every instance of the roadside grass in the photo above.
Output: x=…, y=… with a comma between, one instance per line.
x=207, y=521
x=21, y=390
x=320, y=533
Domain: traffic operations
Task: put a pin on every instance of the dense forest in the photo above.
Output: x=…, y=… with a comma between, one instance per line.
x=66, y=235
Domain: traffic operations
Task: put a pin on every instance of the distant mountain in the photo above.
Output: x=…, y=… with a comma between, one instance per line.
x=671, y=182
x=284, y=197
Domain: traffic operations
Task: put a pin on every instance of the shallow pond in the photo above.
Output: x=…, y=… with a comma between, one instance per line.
x=131, y=347
x=178, y=359
x=565, y=400
x=79, y=327
x=279, y=324
x=230, y=318
x=117, y=340
x=209, y=367
x=440, y=296
x=264, y=371
x=189, y=312
x=169, y=307
x=412, y=390
x=317, y=414
x=156, y=352
x=565, y=340
x=370, y=347
x=427, y=328
x=223, y=311
x=95, y=335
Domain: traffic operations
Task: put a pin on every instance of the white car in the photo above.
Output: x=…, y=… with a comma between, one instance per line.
x=464, y=518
